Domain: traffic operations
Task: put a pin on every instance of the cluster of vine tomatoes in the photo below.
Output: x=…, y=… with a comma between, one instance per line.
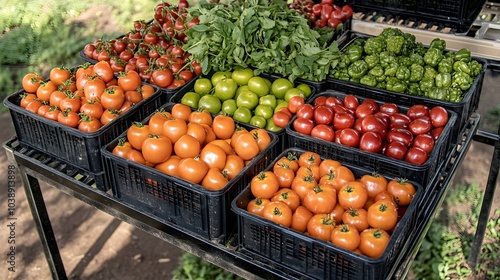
x=193, y=145
x=323, y=198
x=322, y=14
x=154, y=50
x=87, y=97
x=378, y=128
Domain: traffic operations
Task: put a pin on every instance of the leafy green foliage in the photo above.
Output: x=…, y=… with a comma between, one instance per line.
x=194, y=268
x=444, y=252
x=261, y=34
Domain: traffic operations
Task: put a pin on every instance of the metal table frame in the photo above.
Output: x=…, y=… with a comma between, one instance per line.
x=226, y=257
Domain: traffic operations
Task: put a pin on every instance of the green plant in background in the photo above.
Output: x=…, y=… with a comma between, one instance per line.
x=444, y=252
x=194, y=268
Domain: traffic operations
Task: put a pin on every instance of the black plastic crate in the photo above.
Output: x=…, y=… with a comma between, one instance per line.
x=422, y=174
x=457, y=14
x=60, y=168
x=463, y=109
x=190, y=206
x=71, y=145
x=306, y=257
x=281, y=134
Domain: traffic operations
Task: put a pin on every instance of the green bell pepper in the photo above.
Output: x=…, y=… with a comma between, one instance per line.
x=405, y=60
x=372, y=60
x=357, y=69
x=438, y=43
x=354, y=52
x=475, y=68
x=438, y=93
x=460, y=66
x=393, y=84
x=414, y=89
x=430, y=72
x=417, y=59
x=344, y=61
x=395, y=44
x=426, y=84
x=374, y=45
x=391, y=70
x=403, y=73
x=443, y=80
x=368, y=80
x=417, y=72
x=381, y=85
x=386, y=59
x=445, y=65
x=462, y=55
x=433, y=56
x=455, y=95
x=461, y=80
x=378, y=73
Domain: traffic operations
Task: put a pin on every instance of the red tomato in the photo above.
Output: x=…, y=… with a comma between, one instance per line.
x=343, y=120
x=323, y=131
x=281, y=119
x=416, y=156
x=323, y=115
x=372, y=123
x=400, y=134
x=420, y=126
x=389, y=108
x=349, y=137
x=417, y=111
x=439, y=116
x=351, y=102
x=399, y=120
x=294, y=103
x=370, y=142
x=396, y=149
x=424, y=142
x=303, y=126
x=305, y=111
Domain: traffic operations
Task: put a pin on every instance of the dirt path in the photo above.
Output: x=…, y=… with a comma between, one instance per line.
x=95, y=245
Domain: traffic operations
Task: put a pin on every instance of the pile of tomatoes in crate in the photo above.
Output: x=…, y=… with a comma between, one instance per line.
x=323, y=198
x=323, y=14
x=154, y=49
x=87, y=97
x=370, y=126
x=193, y=145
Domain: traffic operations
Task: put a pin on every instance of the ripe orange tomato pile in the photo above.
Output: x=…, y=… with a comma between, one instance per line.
x=193, y=145
x=322, y=197
x=154, y=50
x=87, y=97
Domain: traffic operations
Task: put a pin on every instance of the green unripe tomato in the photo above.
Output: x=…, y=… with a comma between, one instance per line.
x=264, y=111
x=258, y=121
x=294, y=92
x=242, y=114
x=247, y=99
x=229, y=106
x=191, y=99
x=210, y=103
x=225, y=89
x=281, y=103
x=271, y=126
x=258, y=85
x=219, y=75
x=269, y=100
x=202, y=86
x=241, y=76
x=240, y=90
x=280, y=86
x=306, y=89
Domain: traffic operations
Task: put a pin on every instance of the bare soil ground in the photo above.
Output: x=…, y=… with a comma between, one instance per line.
x=95, y=245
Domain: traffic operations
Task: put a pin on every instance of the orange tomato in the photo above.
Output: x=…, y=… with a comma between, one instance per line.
x=321, y=199
x=187, y=147
x=234, y=165
x=174, y=129
x=214, y=180
x=156, y=149
x=402, y=191
x=382, y=214
x=192, y=169
x=262, y=137
x=373, y=242
x=357, y=218
x=256, y=205
x=31, y=82
x=223, y=126
x=352, y=195
x=288, y=196
x=213, y=156
x=321, y=226
x=309, y=158
x=278, y=212
x=181, y=111
x=246, y=146
x=122, y=148
x=346, y=236
x=374, y=183
x=264, y=185
x=300, y=218
x=137, y=133
x=170, y=166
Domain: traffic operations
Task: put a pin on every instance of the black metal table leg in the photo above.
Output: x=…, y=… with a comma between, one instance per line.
x=43, y=225
x=489, y=194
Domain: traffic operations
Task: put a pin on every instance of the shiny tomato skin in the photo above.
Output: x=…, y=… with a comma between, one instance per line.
x=346, y=236
x=374, y=124
x=400, y=134
x=331, y=101
x=399, y=120
x=357, y=218
x=383, y=214
x=349, y=137
x=343, y=120
x=373, y=242
x=192, y=169
x=278, y=212
x=323, y=131
x=320, y=100
x=321, y=226
x=417, y=111
x=420, y=126
x=396, y=150
x=351, y=102
x=264, y=185
x=424, y=142
x=416, y=156
x=389, y=108
x=303, y=125
x=305, y=111
x=288, y=196
x=439, y=116
x=402, y=191
x=370, y=142
x=436, y=132
x=300, y=218
x=323, y=115
x=256, y=205
x=352, y=195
